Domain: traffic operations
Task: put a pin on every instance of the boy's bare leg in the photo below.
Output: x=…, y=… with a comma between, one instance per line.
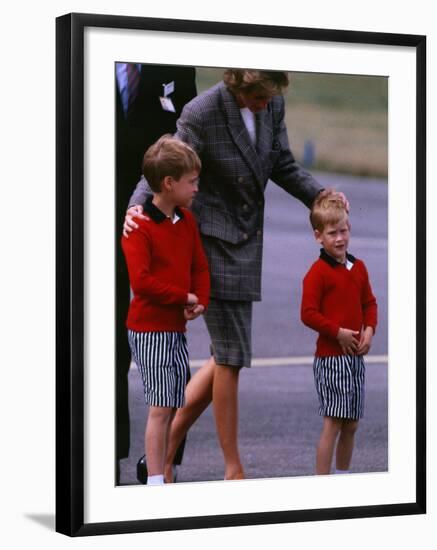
x=225, y=401
x=345, y=445
x=155, y=437
x=167, y=437
x=198, y=395
x=325, y=448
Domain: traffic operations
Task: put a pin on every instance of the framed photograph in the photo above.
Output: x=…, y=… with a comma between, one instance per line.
x=355, y=119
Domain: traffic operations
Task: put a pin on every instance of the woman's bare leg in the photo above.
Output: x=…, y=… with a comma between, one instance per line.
x=225, y=401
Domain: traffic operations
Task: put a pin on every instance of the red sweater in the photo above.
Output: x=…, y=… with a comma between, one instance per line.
x=335, y=297
x=165, y=261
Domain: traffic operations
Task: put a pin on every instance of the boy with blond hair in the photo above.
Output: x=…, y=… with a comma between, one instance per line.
x=338, y=303
x=169, y=277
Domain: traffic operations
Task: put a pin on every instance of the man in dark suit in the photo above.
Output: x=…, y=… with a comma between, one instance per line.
x=149, y=100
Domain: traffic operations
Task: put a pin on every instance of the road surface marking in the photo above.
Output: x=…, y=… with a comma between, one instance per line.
x=288, y=361
x=293, y=361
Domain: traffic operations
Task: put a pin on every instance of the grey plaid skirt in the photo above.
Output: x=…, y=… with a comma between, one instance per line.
x=229, y=323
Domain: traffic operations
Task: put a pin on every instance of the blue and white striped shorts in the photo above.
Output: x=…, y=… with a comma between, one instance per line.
x=340, y=385
x=162, y=359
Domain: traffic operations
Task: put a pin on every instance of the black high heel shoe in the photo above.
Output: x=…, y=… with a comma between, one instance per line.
x=142, y=473
x=142, y=470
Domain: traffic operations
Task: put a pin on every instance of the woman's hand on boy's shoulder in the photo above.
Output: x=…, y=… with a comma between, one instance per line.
x=129, y=225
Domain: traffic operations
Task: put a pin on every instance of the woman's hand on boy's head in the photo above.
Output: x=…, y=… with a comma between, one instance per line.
x=338, y=194
x=129, y=224
x=365, y=341
x=345, y=201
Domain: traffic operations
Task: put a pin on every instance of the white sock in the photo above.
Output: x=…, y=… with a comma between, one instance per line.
x=341, y=471
x=156, y=480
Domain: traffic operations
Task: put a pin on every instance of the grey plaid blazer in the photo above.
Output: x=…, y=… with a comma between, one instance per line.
x=229, y=206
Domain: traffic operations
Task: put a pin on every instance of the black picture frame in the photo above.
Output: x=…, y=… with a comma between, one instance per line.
x=70, y=273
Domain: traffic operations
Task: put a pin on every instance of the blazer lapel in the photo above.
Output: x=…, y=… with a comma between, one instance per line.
x=240, y=136
x=264, y=134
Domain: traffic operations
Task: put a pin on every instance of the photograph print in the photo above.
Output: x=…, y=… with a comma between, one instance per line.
x=251, y=249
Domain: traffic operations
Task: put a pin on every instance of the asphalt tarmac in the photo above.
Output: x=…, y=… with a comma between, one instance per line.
x=279, y=425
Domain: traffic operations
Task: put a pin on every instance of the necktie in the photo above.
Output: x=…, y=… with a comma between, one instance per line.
x=133, y=81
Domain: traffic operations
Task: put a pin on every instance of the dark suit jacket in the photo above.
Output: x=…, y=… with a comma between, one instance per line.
x=229, y=206
x=146, y=123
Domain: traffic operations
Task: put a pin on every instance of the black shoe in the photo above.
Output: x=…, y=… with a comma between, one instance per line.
x=142, y=470
x=142, y=473
x=117, y=473
x=175, y=473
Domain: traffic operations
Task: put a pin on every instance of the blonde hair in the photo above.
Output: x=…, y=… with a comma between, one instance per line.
x=248, y=80
x=168, y=157
x=328, y=208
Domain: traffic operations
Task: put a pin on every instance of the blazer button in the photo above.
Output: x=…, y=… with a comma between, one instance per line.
x=240, y=179
x=245, y=236
x=245, y=207
x=259, y=232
